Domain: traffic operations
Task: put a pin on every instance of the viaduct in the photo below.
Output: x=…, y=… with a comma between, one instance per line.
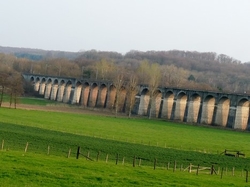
x=191, y=106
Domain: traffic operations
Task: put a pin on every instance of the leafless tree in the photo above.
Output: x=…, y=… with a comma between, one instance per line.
x=15, y=88
x=119, y=86
x=3, y=85
x=132, y=89
x=154, y=77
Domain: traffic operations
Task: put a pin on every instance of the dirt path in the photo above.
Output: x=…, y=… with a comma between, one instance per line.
x=61, y=108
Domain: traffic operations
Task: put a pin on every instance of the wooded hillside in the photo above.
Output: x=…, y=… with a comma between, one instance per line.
x=183, y=69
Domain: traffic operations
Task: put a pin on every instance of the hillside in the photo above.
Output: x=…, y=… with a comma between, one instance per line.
x=183, y=69
x=37, y=54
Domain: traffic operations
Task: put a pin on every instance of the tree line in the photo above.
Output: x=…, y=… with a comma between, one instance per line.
x=11, y=82
x=179, y=69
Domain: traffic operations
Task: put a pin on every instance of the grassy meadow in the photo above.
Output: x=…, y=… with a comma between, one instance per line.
x=100, y=135
x=38, y=170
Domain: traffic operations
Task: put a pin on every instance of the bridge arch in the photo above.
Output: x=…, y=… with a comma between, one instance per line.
x=156, y=104
x=242, y=114
x=54, y=90
x=42, y=86
x=85, y=94
x=222, y=111
x=67, y=91
x=32, y=79
x=48, y=88
x=93, y=95
x=102, y=96
x=193, y=108
x=181, y=103
x=36, y=83
x=144, y=102
x=77, y=93
x=168, y=102
x=111, y=97
x=61, y=91
x=121, y=99
x=208, y=110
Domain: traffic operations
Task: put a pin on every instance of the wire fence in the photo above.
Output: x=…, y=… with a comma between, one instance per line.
x=136, y=161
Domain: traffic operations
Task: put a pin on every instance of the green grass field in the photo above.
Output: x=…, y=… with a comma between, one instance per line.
x=30, y=100
x=38, y=170
x=145, y=139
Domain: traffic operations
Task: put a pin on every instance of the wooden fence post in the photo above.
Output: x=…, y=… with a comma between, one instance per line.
x=69, y=153
x=117, y=158
x=246, y=175
x=26, y=147
x=233, y=171
x=97, y=157
x=134, y=160
x=212, y=169
x=123, y=160
x=78, y=152
x=139, y=162
x=87, y=157
x=48, y=150
x=190, y=168
x=168, y=165
x=221, y=173
x=155, y=163
x=174, y=166
x=2, y=144
x=107, y=157
x=197, y=172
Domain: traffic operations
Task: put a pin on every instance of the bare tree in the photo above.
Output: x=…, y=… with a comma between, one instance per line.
x=154, y=80
x=15, y=88
x=132, y=90
x=103, y=68
x=143, y=71
x=3, y=85
x=119, y=86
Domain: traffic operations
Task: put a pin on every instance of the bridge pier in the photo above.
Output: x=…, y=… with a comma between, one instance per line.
x=54, y=92
x=60, y=93
x=200, y=112
x=231, y=117
x=47, y=90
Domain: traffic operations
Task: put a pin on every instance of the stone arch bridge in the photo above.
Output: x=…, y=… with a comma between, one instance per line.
x=191, y=106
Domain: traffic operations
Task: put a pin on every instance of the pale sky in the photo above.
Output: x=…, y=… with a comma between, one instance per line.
x=221, y=26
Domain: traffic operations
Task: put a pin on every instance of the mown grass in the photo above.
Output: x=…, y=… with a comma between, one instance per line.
x=127, y=137
x=142, y=131
x=145, y=139
x=36, y=101
x=30, y=100
x=17, y=136
x=19, y=169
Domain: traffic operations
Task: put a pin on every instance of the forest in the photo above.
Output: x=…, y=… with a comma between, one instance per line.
x=177, y=69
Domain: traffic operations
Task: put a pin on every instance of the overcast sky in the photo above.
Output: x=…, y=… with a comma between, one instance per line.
x=221, y=26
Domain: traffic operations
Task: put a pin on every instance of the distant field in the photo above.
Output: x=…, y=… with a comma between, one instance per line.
x=143, y=138
x=92, y=131
x=30, y=101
